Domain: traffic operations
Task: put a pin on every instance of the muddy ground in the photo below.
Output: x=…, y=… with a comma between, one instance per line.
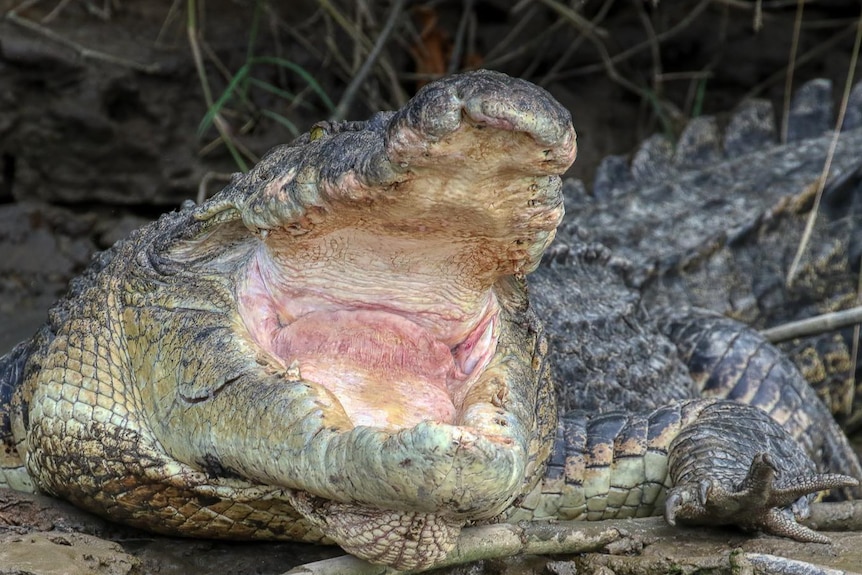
x=55, y=538
x=100, y=107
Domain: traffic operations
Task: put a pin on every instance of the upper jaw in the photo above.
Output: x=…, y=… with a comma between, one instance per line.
x=417, y=132
x=480, y=149
x=471, y=161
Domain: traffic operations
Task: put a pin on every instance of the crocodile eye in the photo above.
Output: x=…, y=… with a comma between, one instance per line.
x=317, y=132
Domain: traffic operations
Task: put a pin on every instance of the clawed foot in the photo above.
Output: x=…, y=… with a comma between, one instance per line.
x=761, y=501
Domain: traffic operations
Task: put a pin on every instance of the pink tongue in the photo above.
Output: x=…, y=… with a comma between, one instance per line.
x=384, y=369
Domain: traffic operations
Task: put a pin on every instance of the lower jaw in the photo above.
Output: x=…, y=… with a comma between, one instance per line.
x=385, y=370
x=387, y=401
x=459, y=472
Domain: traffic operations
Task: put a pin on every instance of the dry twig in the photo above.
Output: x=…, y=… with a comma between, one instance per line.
x=192, y=32
x=361, y=75
x=493, y=541
x=791, y=68
x=354, y=32
x=82, y=51
x=599, y=538
x=814, y=325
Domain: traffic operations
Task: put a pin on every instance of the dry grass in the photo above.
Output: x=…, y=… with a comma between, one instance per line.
x=377, y=52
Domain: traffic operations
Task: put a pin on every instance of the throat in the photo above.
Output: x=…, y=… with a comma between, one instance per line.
x=388, y=364
x=385, y=370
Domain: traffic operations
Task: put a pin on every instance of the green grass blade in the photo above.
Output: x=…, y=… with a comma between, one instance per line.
x=291, y=127
x=664, y=120
x=699, y=97
x=237, y=157
x=302, y=72
x=223, y=99
x=266, y=86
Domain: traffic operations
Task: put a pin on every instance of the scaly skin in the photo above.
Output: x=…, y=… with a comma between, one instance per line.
x=196, y=380
x=715, y=221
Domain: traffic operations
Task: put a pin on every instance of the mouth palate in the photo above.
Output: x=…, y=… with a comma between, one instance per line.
x=385, y=369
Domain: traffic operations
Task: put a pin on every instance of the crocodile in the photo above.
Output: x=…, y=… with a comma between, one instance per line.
x=350, y=344
x=715, y=221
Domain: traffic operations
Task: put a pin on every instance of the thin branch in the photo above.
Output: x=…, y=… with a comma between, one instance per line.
x=500, y=540
x=822, y=48
x=655, y=50
x=580, y=23
x=836, y=516
x=814, y=325
x=570, y=537
x=360, y=76
x=692, y=75
x=765, y=564
x=595, y=35
x=173, y=14
x=23, y=6
x=525, y=46
x=55, y=12
x=854, y=349
x=573, y=46
x=679, y=27
x=81, y=51
x=512, y=33
x=386, y=67
x=458, y=48
x=218, y=121
x=723, y=563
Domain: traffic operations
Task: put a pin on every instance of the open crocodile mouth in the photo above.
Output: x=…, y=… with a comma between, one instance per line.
x=384, y=292
x=375, y=272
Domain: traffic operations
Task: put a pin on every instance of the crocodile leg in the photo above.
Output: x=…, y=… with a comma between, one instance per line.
x=736, y=465
x=714, y=462
x=729, y=360
x=755, y=473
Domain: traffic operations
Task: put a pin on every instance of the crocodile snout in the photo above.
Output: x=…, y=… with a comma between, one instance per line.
x=482, y=100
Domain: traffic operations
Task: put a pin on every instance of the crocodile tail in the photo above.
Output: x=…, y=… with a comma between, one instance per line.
x=729, y=360
x=703, y=461
x=12, y=375
x=608, y=465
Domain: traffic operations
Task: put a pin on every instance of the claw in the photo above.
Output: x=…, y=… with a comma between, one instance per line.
x=689, y=502
x=782, y=522
x=672, y=504
x=762, y=500
x=704, y=488
x=761, y=473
